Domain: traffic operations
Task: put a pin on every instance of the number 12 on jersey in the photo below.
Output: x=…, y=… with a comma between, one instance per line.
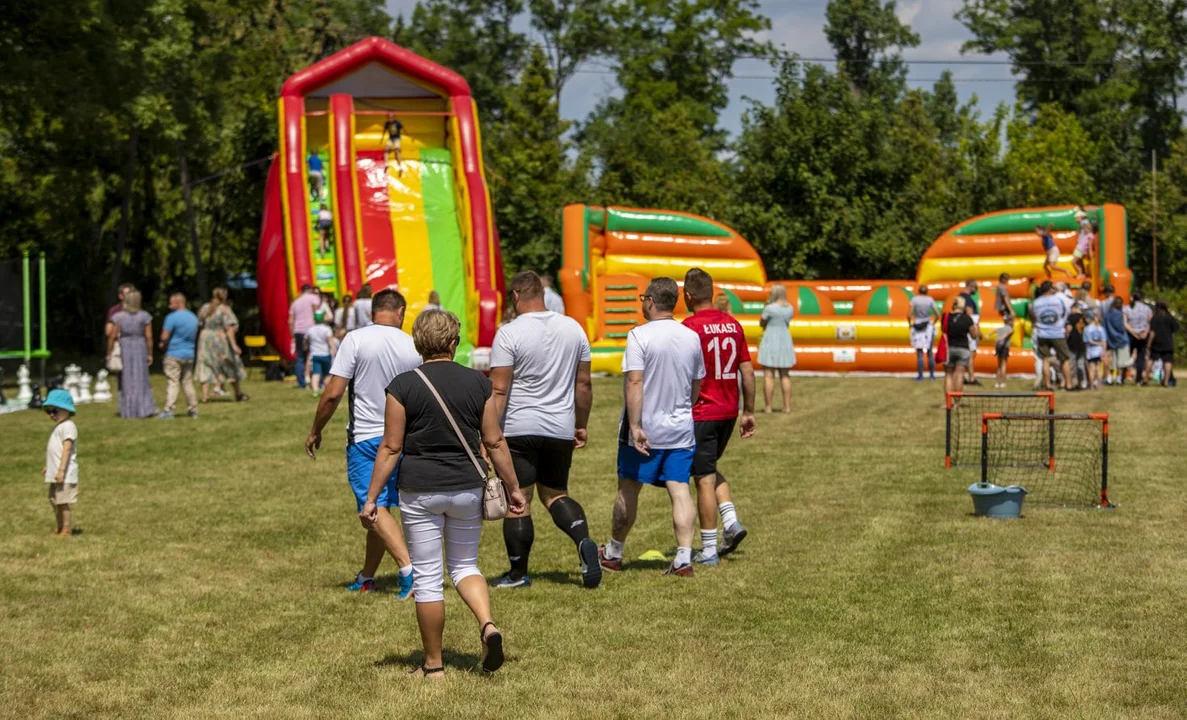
x=720, y=346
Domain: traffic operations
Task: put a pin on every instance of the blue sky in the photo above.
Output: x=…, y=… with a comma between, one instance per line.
x=798, y=26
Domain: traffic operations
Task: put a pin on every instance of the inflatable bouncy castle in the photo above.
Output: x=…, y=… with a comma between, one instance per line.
x=342, y=208
x=840, y=326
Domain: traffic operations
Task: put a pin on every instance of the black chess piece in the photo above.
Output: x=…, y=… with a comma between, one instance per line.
x=55, y=382
x=3, y=400
x=35, y=402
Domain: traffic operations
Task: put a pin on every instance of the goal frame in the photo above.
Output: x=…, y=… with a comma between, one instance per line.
x=1051, y=419
x=949, y=405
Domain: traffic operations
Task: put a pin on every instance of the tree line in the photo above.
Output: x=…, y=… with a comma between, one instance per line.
x=120, y=121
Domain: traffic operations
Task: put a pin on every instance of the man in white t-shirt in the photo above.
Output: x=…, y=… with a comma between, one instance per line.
x=1050, y=313
x=367, y=361
x=542, y=389
x=663, y=366
x=552, y=299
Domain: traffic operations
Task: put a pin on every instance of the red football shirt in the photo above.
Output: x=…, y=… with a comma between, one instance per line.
x=724, y=346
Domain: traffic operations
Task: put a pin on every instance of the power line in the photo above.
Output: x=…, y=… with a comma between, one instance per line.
x=927, y=80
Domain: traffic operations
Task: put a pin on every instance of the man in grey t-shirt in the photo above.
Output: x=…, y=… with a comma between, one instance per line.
x=922, y=319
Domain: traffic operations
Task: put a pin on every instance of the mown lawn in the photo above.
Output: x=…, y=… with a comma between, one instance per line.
x=207, y=580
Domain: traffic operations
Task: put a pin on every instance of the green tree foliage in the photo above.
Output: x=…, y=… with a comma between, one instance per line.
x=1049, y=160
x=475, y=39
x=865, y=36
x=528, y=170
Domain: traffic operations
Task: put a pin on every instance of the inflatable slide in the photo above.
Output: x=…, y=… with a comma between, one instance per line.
x=841, y=326
x=417, y=223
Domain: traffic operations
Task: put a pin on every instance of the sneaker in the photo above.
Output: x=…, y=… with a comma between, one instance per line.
x=165, y=416
x=194, y=414
x=732, y=537
x=364, y=586
x=701, y=559
x=681, y=571
x=405, y=586
x=918, y=378
x=591, y=568
x=510, y=580
x=608, y=563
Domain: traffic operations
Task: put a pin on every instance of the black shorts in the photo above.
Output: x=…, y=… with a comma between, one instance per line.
x=1002, y=351
x=1164, y=356
x=543, y=460
x=712, y=437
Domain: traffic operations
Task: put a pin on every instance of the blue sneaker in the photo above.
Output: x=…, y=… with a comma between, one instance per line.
x=701, y=559
x=362, y=586
x=511, y=580
x=165, y=416
x=405, y=586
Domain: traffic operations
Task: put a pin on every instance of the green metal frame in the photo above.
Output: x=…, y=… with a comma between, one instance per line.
x=29, y=352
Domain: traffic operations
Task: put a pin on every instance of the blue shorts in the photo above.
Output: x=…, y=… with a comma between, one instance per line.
x=320, y=365
x=360, y=463
x=661, y=466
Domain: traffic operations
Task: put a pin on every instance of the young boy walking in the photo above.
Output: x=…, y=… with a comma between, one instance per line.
x=1001, y=347
x=61, y=459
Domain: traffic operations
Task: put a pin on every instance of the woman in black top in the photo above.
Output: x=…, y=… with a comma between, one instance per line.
x=960, y=328
x=440, y=489
x=1163, y=327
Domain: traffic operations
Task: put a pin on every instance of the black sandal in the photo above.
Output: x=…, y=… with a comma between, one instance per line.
x=426, y=671
x=492, y=645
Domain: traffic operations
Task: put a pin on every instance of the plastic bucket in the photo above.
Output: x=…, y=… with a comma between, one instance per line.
x=995, y=501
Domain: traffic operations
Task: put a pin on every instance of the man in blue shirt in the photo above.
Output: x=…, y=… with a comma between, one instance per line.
x=317, y=176
x=179, y=339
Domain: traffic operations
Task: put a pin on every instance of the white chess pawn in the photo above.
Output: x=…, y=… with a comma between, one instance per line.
x=71, y=383
x=102, y=388
x=24, y=389
x=84, y=388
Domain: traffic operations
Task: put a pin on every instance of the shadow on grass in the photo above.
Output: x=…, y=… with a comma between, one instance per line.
x=456, y=661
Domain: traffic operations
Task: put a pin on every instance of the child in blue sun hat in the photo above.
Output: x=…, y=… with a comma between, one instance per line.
x=61, y=458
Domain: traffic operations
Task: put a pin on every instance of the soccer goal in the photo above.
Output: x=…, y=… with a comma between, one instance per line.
x=962, y=422
x=1059, y=459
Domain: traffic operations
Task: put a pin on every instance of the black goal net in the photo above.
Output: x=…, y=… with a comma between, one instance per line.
x=1059, y=459
x=962, y=431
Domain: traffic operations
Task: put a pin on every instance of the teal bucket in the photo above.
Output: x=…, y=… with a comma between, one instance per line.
x=995, y=501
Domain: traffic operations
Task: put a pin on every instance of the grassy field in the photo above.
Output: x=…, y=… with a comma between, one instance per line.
x=207, y=580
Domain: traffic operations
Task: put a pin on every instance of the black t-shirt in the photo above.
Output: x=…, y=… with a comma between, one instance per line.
x=971, y=302
x=959, y=325
x=1164, y=328
x=434, y=460
x=1075, y=338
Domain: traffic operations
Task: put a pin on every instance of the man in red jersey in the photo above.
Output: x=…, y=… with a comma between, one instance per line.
x=716, y=411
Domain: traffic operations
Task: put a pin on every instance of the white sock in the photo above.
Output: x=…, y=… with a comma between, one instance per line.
x=709, y=543
x=614, y=549
x=406, y=571
x=683, y=556
x=729, y=515
x=361, y=578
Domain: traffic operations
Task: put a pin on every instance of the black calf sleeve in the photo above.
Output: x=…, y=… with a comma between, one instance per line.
x=570, y=518
x=518, y=535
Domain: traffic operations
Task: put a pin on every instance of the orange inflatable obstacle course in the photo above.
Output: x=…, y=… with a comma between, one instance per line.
x=840, y=326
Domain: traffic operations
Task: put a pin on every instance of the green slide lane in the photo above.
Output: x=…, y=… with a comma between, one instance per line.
x=325, y=268
x=446, y=247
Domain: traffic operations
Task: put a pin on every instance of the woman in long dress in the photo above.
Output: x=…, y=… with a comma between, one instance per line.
x=132, y=327
x=219, y=348
x=776, y=353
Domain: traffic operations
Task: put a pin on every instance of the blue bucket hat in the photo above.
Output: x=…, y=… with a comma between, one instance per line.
x=59, y=398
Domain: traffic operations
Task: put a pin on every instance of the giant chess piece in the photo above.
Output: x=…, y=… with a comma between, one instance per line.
x=24, y=391
x=35, y=400
x=84, y=388
x=73, y=375
x=102, y=388
x=3, y=400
